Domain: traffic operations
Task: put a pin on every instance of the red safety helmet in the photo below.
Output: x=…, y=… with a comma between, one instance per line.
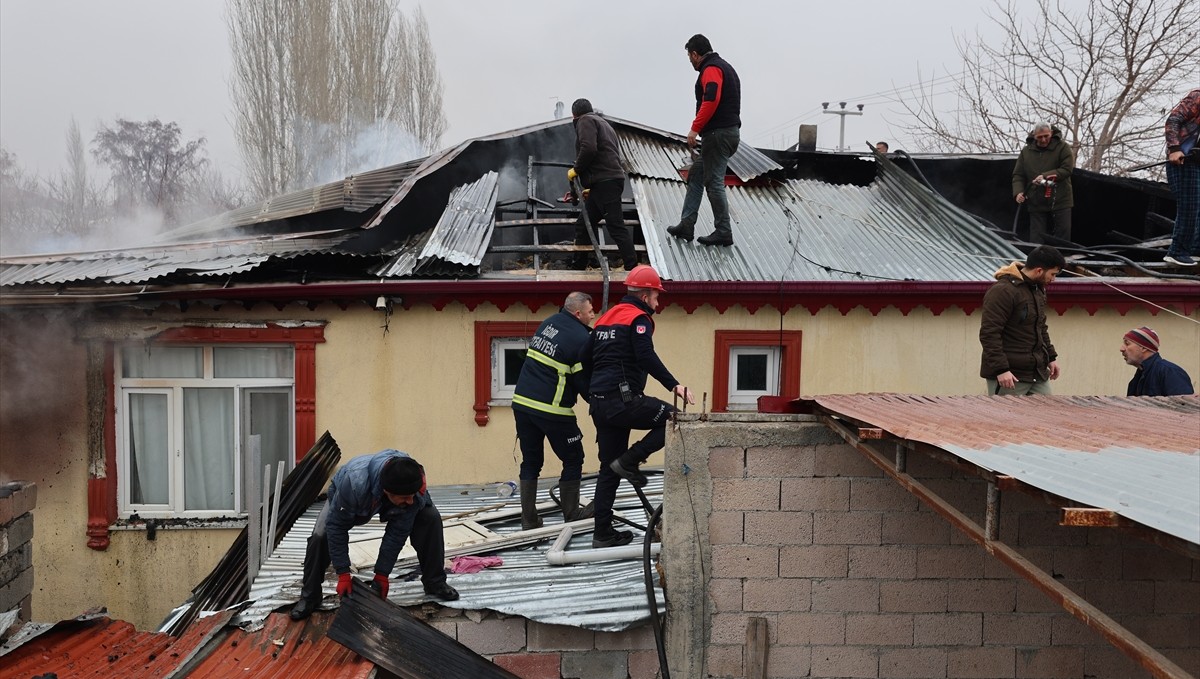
x=644, y=276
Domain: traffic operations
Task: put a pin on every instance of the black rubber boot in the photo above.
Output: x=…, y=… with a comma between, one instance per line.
x=569, y=497
x=316, y=561
x=529, y=512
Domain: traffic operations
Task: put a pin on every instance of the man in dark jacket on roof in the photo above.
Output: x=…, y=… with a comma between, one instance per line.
x=1041, y=181
x=389, y=484
x=1155, y=376
x=718, y=121
x=543, y=404
x=598, y=166
x=1018, y=357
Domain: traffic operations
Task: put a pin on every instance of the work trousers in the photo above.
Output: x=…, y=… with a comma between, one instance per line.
x=427, y=539
x=565, y=440
x=1019, y=389
x=1185, y=184
x=604, y=201
x=708, y=174
x=1059, y=222
x=614, y=419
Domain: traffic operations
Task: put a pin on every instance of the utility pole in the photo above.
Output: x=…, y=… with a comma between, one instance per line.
x=843, y=113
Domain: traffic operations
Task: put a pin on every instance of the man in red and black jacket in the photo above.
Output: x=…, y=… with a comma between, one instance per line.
x=719, y=121
x=622, y=356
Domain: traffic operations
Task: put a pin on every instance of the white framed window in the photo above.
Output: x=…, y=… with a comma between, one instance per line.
x=508, y=355
x=184, y=419
x=753, y=372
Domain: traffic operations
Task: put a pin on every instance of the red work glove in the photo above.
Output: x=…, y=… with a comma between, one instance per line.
x=381, y=582
x=343, y=586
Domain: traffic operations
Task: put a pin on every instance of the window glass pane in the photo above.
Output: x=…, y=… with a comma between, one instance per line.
x=149, y=450
x=208, y=460
x=751, y=372
x=162, y=361
x=252, y=362
x=514, y=358
x=270, y=418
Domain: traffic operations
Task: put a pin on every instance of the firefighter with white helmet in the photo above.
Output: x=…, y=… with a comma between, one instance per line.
x=623, y=356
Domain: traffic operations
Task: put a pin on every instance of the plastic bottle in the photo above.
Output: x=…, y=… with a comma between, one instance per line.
x=506, y=489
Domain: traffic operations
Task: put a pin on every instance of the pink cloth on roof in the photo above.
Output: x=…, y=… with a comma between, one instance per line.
x=473, y=564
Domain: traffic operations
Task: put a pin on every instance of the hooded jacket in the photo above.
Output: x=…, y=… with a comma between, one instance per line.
x=1013, y=328
x=1058, y=159
x=355, y=497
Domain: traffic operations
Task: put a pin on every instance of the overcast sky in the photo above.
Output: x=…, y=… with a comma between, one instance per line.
x=503, y=64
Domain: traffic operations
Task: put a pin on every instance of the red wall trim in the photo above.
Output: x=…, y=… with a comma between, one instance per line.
x=485, y=332
x=789, y=364
x=102, y=491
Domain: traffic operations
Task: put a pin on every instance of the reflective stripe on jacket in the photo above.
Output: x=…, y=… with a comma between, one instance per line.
x=553, y=374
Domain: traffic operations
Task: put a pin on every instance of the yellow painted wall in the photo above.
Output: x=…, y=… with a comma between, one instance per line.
x=412, y=388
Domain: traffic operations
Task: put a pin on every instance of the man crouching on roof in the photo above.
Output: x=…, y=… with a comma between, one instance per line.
x=392, y=485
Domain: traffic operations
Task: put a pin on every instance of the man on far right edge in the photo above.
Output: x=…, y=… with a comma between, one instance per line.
x=1183, y=175
x=718, y=121
x=1155, y=376
x=1018, y=358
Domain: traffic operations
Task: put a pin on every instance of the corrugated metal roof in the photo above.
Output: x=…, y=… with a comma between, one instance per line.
x=893, y=229
x=282, y=648
x=606, y=596
x=355, y=193
x=461, y=235
x=139, y=265
x=1138, y=457
x=661, y=155
x=98, y=646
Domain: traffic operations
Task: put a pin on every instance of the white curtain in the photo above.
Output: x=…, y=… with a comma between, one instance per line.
x=208, y=460
x=149, y=449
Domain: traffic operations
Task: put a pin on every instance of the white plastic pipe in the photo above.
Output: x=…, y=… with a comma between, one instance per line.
x=558, y=556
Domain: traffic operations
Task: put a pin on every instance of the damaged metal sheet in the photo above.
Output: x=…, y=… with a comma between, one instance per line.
x=227, y=584
x=391, y=638
x=461, y=235
x=606, y=596
x=813, y=230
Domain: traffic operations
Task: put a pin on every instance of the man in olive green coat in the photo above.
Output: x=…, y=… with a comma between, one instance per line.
x=1041, y=181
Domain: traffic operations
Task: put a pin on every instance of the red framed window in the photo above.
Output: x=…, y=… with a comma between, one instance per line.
x=499, y=350
x=751, y=363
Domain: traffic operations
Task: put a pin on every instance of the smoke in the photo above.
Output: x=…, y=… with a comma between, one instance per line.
x=330, y=156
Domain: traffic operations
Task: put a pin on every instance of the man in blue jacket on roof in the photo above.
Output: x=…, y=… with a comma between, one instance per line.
x=1155, y=376
x=389, y=484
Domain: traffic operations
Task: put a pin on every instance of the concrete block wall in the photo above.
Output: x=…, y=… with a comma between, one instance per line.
x=17, y=501
x=857, y=578
x=533, y=650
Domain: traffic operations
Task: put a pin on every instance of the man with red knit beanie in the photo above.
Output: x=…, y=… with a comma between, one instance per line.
x=1155, y=376
x=389, y=484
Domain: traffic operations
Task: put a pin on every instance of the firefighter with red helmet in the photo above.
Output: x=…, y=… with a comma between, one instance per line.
x=622, y=357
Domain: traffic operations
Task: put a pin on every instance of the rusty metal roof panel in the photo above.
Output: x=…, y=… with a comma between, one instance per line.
x=812, y=230
x=661, y=155
x=282, y=648
x=1138, y=457
x=98, y=646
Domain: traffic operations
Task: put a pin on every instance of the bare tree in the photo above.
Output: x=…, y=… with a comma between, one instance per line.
x=77, y=199
x=320, y=86
x=150, y=163
x=24, y=206
x=1105, y=74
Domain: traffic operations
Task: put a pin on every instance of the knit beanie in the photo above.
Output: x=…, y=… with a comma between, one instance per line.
x=1144, y=337
x=402, y=476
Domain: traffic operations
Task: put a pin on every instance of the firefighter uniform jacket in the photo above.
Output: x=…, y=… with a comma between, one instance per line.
x=553, y=373
x=623, y=350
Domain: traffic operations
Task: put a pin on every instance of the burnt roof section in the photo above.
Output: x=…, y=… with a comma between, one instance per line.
x=1138, y=457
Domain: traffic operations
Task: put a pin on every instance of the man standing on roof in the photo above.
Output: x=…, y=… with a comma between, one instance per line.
x=598, y=166
x=1018, y=357
x=719, y=121
x=543, y=406
x=1041, y=180
x=389, y=484
x=1155, y=376
x=622, y=356
x=1183, y=174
